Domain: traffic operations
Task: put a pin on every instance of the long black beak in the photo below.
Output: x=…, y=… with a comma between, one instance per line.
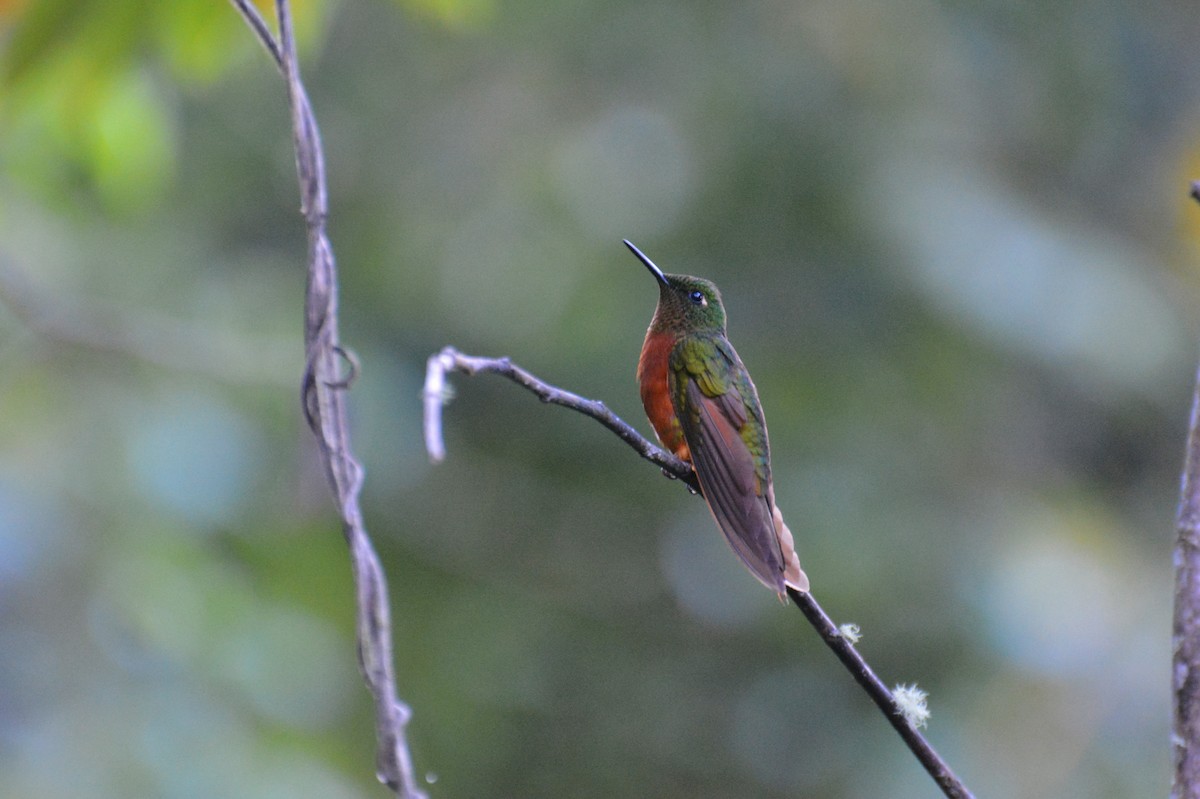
x=654, y=270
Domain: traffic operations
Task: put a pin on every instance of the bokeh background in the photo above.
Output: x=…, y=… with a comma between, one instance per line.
x=958, y=258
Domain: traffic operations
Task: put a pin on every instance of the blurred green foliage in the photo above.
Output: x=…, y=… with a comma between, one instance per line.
x=957, y=258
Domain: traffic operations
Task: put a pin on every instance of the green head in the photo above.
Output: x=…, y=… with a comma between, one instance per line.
x=685, y=304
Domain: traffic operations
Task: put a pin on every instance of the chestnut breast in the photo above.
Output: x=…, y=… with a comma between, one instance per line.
x=654, y=382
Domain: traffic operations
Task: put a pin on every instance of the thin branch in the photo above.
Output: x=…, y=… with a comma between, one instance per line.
x=451, y=360
x=1185, y=681
x=261, y=29
x=865, y=676
x=324, y=408
x=435, y=394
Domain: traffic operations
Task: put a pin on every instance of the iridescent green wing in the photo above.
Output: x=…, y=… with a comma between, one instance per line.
x=722, y=423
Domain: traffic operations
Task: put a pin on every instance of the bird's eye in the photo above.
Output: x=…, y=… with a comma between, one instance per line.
x=697, y=298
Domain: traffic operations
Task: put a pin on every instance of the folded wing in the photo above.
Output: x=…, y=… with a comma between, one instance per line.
x=732, y=487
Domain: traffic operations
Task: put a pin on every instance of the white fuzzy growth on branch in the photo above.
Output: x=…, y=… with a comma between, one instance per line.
x=911, y=703
x=851, y=632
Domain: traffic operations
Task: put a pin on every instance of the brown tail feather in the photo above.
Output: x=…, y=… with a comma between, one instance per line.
x=793, y=575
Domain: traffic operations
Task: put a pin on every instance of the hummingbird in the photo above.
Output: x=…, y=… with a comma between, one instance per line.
x=704, y=407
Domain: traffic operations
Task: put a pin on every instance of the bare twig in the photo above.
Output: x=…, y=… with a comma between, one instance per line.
x=451, y=360
x=865, y=676
x=324, y=408
x=261, y=29
x=1185, y=681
